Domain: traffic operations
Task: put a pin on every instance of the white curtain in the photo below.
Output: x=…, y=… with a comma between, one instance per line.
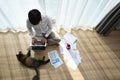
x=85, y=14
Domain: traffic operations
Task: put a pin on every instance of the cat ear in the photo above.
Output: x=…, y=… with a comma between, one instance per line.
x=20, y=52
x=28, y=53
x=17, y=56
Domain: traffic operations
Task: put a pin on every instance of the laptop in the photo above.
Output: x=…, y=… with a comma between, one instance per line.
x=38, y=46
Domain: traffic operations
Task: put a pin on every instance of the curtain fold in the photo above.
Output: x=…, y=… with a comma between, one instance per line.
x=67, y=14
x=107, y=23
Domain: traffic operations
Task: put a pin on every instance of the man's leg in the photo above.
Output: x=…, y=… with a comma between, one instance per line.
x=52, y=39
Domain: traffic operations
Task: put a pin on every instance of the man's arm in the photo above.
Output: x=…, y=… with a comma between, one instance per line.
x=29, y=27
x=49, y=28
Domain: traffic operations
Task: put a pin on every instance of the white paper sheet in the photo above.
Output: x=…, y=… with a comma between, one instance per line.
x=70, y=38
x=71, y=55
x=55, y=60
x=76, y=56
x=61, y=49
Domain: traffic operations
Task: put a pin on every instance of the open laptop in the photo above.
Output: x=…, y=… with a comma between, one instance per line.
x=38, y=46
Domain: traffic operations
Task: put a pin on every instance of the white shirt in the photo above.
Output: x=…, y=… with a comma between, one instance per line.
x=43, y=26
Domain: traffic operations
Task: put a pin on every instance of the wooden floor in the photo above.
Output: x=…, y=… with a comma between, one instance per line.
x=100, y=58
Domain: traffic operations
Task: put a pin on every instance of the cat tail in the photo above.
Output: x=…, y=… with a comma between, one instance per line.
x=36, y=77
x=37, y=71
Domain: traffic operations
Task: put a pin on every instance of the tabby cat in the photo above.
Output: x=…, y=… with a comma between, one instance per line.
x=31, y=62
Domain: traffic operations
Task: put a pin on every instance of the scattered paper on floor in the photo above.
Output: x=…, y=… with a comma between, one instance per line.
x=72, y=55
x=55, y=60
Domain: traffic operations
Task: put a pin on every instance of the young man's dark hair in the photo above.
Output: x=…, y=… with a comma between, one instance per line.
x=34, y=16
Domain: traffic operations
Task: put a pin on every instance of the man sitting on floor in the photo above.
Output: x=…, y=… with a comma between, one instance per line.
x=42, y=27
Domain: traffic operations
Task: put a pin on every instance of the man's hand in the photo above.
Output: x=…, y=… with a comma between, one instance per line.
x=34, y=40
x=44, y=40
